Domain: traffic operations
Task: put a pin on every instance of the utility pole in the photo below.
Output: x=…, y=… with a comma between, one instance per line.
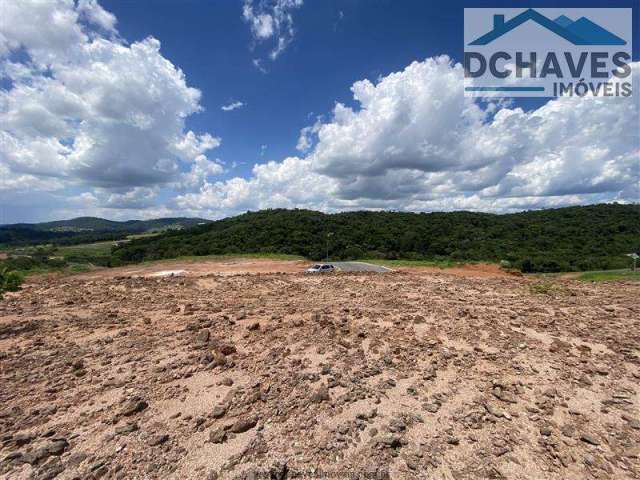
x=329, y=234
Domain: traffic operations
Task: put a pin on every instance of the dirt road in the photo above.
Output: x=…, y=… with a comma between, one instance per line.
x=269, y=375
x=360, y=267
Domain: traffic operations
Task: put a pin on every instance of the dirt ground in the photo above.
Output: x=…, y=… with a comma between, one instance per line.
x=413, y=374
x=230, y=266
x=233, y=266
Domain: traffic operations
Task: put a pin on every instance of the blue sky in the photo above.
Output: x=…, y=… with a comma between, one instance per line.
x=331, y=50
x=337, y=42
x=329, y=45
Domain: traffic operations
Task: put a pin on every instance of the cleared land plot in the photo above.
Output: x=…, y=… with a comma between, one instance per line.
x=422, y=375
x=233, y=265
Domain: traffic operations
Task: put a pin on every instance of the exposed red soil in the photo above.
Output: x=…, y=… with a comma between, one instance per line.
x=479, y=270
x=242, y=265
x=404, y=375
x=201, y=268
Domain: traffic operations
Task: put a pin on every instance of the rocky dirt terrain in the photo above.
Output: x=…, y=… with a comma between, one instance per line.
x=401, y=375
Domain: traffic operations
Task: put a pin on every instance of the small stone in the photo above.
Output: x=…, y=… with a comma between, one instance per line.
x=100, y=472
x=498, y=452
x=134, y=406
x=321, y=394
x=390, y=440
x=412, y=464
x=631, y=421
x=57, y=447
x=217, y=358
x=35, y=456
x=219, y=411
x=243, y=425
x=453, y=441
x=76, y=459
x=585, y=437
x=50, y=471
x=431, y=407
x=217, y=435
x=278, y=471
x=23, y=438
x=254, y=326
x=202, y=338
x=12, y=456
x=503, y=395
x=158, y=439
x=187, y=309
x=494, y=411
x=397, y=425
x=568, y=431
x=126, y=429
x=227, y=349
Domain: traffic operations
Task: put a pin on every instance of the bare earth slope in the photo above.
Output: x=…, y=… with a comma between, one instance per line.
x=401, y=375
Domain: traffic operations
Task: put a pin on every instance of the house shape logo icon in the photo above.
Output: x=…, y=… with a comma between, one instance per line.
x=579, y=32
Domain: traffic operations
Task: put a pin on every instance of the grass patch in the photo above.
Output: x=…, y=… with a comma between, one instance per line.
x=226, y=256
x=64, y=270
x=550, y=288
x=98, y=248
x=543, y=288
x=78, y=268
x=415, y=263
x=610, y=276
x=39, y=270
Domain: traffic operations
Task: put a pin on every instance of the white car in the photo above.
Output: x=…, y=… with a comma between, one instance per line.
x=321, y=268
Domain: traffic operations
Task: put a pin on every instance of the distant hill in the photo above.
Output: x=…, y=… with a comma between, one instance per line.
x=574, y=238
x=83, y=229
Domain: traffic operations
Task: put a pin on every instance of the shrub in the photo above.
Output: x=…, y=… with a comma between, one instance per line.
x=9, y=281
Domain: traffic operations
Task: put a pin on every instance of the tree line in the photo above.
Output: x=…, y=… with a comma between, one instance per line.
x=595, y=237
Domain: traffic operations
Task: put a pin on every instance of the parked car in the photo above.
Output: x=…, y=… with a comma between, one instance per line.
x=321, y=268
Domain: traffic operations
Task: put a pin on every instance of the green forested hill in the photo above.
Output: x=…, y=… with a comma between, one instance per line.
x=574, y=238
x=86, y=229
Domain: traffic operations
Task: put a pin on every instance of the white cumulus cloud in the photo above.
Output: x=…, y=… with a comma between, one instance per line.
x=416, y=143
x=99, y=125
x=232, y=106
x=97, y=15
x=414, y=136
x=87, y=109
x=271, y=21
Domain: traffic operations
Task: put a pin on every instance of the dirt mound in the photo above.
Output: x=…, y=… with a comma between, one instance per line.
x=200, y=268
x=406, y=375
